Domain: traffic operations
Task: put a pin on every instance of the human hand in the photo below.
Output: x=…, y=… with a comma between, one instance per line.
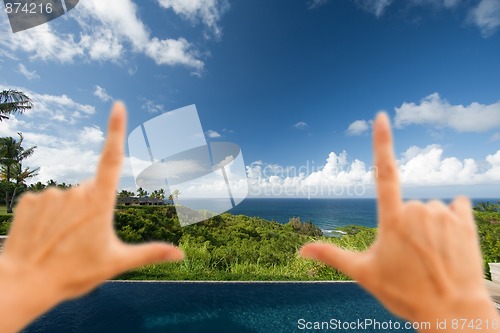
x=62, y=243
x=425, y=263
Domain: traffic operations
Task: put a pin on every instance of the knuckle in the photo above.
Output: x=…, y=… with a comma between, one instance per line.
x=415, y=208
x=112, y=157
x=386, y=170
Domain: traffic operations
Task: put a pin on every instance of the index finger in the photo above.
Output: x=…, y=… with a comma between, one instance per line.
x=387, y=179
x=108, y=172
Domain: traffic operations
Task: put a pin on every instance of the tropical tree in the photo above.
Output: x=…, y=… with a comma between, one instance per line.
x=12, y=155
x=37, y=187
x=158, y=194
x=142, y=192
x=13, y=101
x=125, y=194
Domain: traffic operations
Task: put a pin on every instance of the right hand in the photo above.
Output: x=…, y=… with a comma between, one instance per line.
x=426, y=261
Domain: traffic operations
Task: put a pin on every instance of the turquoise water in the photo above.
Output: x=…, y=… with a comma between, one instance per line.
x=213, y=307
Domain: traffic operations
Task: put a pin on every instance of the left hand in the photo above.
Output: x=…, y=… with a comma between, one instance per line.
x=64, y=241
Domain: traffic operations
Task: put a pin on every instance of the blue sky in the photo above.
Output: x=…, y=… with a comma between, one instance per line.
x=294, y=83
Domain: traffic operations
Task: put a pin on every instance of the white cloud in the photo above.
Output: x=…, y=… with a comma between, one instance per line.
x=102, y=94
x=213, y=134
x=67, y=150
x=63, y=154
x=358, y=127
x=419, y=168
x=30, y=75
x=428, y=167
x=375, y=7
x=486, y=15
x=437, y=112
x=313, y=4
x=55, y=108
x=300, y=125
x=92, y=135
x=173, y=52
x=152, y=107
x=207, y=11
x=109, y=30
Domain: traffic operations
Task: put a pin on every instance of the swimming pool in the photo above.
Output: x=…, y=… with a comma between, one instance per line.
x=214, y=307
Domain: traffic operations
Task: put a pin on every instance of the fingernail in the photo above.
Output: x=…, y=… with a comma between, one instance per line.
x=382, y=121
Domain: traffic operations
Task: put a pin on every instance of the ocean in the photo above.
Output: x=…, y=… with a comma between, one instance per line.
x=326, y=214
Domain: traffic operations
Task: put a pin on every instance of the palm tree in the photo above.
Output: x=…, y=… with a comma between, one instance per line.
x=142, y=192
x=158, y=194
x=13, y=101
x=126, y=194
x=12, y=155
x=51, y=182
x=37, y=187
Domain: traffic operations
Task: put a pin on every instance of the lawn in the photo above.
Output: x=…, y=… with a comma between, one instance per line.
x=3, y=210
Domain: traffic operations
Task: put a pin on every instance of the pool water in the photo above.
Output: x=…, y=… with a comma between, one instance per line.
x=213, y=307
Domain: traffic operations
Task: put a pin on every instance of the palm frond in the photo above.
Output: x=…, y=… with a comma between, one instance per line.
x=13, y=101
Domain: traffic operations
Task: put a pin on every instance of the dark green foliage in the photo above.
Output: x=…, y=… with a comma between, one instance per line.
x=139, y=224
x=487, y=207
x=229, y=247
x=307, y=228
x=4, y=226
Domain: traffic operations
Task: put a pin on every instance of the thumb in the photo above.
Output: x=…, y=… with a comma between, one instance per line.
x=133, y=256
x=348, y=262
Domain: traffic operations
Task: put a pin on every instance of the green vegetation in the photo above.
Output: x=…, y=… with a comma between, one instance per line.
x=229, y=247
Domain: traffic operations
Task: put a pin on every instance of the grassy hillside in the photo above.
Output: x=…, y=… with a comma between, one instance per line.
x=229, y=247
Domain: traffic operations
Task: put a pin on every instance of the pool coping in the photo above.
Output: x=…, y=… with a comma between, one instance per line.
x=493, y=288
x=215, y=281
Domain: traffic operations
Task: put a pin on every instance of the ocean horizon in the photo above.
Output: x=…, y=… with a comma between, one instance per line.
x=326, y=213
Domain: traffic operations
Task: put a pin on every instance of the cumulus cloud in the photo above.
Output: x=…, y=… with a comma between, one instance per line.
x=30, y=75
x=67, y=150
x=63, y=155
x=209, y=12
x=437, y=112
x=92, y=135
x=213, y=134
x=338, y=176
x=486, y=16
x=358, y=127
x=301, y=125
x=102, y=94
x=109, y=30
